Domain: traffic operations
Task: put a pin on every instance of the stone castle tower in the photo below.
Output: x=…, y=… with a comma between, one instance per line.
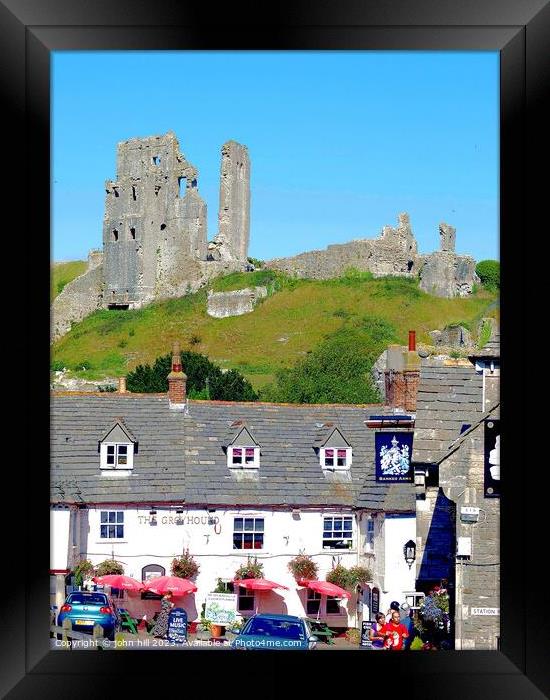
x=155, y=231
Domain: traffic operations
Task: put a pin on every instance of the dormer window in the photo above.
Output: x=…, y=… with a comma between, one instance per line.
x=243, y=457
x=335, y=458
x=117, y=448
x=243, y=452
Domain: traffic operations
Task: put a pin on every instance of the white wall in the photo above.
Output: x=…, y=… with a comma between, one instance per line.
x=398, y=578
x=59, y=538
x=211, y=544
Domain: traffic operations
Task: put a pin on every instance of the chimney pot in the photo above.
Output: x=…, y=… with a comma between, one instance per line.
x=177, y=381
x=412, y=341
x=122, y=385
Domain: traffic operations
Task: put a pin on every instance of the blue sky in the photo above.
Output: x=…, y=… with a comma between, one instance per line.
x=339, y=142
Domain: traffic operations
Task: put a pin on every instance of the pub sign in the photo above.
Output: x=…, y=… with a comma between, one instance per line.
x=393, y=456
x=492, y=458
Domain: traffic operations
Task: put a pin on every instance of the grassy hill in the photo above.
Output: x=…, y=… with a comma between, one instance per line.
x=284, y=327
x=64, y=272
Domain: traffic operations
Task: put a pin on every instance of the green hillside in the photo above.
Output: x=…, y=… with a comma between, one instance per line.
x=295, y=317
x=64, y=272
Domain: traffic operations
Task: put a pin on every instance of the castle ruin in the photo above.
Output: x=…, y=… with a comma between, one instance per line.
x=155, y=231
x=155, y=239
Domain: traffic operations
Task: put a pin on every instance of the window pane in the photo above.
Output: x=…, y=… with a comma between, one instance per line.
x=104, y=515
x=110, y=459
x=329, y=453
x=246, y=602
x=238, y=524
x=248, y=540
x=122, y=449
x=111, y=530
x=250, y=452
x=237, y=541
x=332, y=605
x=104, y=531
x=237, y=452
x=327, y=526
x=110, y=449
x=249, y=524
x=120, y=516
x=120, y=530
x=347, y=523
x=258, y=541
x=259, y=525
x=122, y=459
x=337, y=523
x=313, y=606
x=348, y=534
x=342, y=453
x=112, y=517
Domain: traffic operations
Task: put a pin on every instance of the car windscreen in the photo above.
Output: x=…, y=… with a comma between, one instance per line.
x=285, y=629
x=90, y=599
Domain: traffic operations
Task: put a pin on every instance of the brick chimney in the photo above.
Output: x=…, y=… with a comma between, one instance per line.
x=122, y=385
x=402, y=375
x=177, y=381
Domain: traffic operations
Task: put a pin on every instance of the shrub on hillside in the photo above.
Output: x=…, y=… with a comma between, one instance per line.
x=338, y=370
x=204, y=379
x=488, y=272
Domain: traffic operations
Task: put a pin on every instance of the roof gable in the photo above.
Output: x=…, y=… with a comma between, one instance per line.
x=335, y=439
x=244, y=439
x=118, y=432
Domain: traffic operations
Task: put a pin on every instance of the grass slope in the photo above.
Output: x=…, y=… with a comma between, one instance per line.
x=284, y=327
x=64, y=272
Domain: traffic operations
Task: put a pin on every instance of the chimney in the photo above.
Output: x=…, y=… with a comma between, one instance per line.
x=402, y=375
x=122, y=385
x=177, y=381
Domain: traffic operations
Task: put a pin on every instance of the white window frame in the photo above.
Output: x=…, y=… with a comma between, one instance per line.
x=243, y=464
x=104, y=449
x=335, y=458
x=348, y=516
x=115, y=524
x=244, y=531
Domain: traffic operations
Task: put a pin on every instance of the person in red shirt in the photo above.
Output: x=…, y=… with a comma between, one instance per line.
x=394, y=633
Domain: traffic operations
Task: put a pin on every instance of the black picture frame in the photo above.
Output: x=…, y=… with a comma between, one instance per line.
x=30, y=30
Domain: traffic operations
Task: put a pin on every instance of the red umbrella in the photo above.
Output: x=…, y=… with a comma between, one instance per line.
x=258, y=584
x=118, y=581
x=163, y=584
x=326, y=588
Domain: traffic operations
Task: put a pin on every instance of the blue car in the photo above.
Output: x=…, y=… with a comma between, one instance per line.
x=86, y=609
x=277, y=632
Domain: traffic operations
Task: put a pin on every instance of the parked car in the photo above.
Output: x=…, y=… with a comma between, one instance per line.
x=85, y=609
x=265, y=631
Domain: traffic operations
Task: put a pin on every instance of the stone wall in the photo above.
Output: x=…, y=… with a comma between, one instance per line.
x=80, y=297
x=236, y=303
x=393, y=253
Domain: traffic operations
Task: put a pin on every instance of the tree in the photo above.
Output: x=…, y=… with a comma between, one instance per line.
x=488, y=272
x=205, y=380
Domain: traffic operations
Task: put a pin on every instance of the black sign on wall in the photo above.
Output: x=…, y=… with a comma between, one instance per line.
x=492, y=458
x=375, y=600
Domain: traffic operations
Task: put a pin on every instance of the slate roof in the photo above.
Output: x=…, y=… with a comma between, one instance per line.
x=181, y=456
x=491, y=349
x=448, y=398
x=493, y=412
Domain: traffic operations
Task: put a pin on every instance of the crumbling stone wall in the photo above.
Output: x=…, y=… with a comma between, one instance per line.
x=236, y=303
x=393, y=253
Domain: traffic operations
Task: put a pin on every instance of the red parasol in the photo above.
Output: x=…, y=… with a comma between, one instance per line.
x=163, y=584
x=326, y=588
x=258, y=584
x=125, y=583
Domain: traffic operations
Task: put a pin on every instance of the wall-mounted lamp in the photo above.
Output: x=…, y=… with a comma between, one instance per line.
x=409, y=551
x=179, y=511
x=152, y=511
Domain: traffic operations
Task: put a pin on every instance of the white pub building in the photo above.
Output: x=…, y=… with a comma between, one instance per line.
x=142, y=478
